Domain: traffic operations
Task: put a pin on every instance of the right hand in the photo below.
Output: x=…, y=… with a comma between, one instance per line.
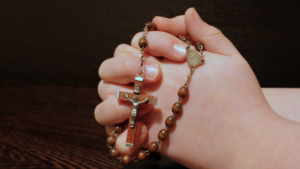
x=225, y=117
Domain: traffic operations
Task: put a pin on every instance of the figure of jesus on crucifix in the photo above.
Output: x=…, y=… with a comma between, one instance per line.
x=135, y=108
x=135, y=98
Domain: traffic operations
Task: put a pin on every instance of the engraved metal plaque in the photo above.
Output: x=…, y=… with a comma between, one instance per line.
x=194, y=58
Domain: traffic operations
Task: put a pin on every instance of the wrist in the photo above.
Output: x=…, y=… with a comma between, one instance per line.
x=273, y=144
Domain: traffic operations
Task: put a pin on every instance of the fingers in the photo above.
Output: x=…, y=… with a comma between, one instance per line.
x=107, y=90
x=175, y=26
x=123, y=70
x=126, y=50
x=162, y=44
x=213, y=39
x=112, y=111
x=141, y=136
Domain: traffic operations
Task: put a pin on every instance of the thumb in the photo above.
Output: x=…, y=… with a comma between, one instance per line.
x=212, y=38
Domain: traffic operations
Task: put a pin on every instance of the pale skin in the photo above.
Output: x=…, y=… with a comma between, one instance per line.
x=227, y=120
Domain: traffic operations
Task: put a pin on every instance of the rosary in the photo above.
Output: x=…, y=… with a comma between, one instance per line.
x=194, y=59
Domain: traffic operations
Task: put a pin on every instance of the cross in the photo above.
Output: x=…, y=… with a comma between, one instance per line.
x=136, y=98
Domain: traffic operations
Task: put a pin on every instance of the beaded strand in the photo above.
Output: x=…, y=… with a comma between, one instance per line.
x=170, y=120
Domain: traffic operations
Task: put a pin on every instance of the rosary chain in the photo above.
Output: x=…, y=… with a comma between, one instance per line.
x=135, y=159
x=141, y=70
x=140, y=73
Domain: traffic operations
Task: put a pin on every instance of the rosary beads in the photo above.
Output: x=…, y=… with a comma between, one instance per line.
x=194, y=59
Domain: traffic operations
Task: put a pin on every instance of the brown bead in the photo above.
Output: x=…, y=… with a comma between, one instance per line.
x=151, y=26
x=153, y=146
x=183, y=92
x=199, y=46
x=162, y=135
x=114, y=152
x=184, y=39
x=126, y=159
x=111, y=140
x=143, y=42
x=176, y=108
x=118, y=128
x=142, y=155
x=170, y=121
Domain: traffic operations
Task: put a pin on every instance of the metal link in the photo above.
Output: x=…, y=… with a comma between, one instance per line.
x=147, y=152
x=141, y=71
x=200, y=48
x=109, y=146
x=158, y=142
x=179, y=99
x=119, y=159
x=189, y=77
x=138, y=73
x=188, y=47
x=186, y=84
x=201, y=53
x=141, y=65
x=113, y=133
x=134, y=159
x=145, y=30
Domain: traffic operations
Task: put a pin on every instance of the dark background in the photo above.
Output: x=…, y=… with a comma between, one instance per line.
x=50, y=52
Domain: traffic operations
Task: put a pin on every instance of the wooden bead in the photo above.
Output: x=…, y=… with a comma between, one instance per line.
x=126, y=159
x=176, y=108
x=118, y=128
x=142, y=155
x=170, y=121
x=183, y=92
x=111, y=140
x=162, y=135
x=184, y=39
x=114, y=152
x=143, y=42
x=153, y=146
x=151, y=26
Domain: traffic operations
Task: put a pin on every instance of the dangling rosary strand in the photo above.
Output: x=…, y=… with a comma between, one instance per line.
x=194, y=60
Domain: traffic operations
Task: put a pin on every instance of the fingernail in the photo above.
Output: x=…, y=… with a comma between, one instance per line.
x=179, y=49
x=151, y=70
x=196, y=15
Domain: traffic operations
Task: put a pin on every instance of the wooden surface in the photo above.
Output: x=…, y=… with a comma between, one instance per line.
x=54, y=127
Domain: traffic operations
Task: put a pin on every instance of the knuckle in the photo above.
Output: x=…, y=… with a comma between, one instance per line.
x=101, y=70
x=100, y=90
x=127, y=65
x=166, y=41
x=119, y=49
x=216, y=33
x=104, y=90
x=178, y=18
x=96, y=113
